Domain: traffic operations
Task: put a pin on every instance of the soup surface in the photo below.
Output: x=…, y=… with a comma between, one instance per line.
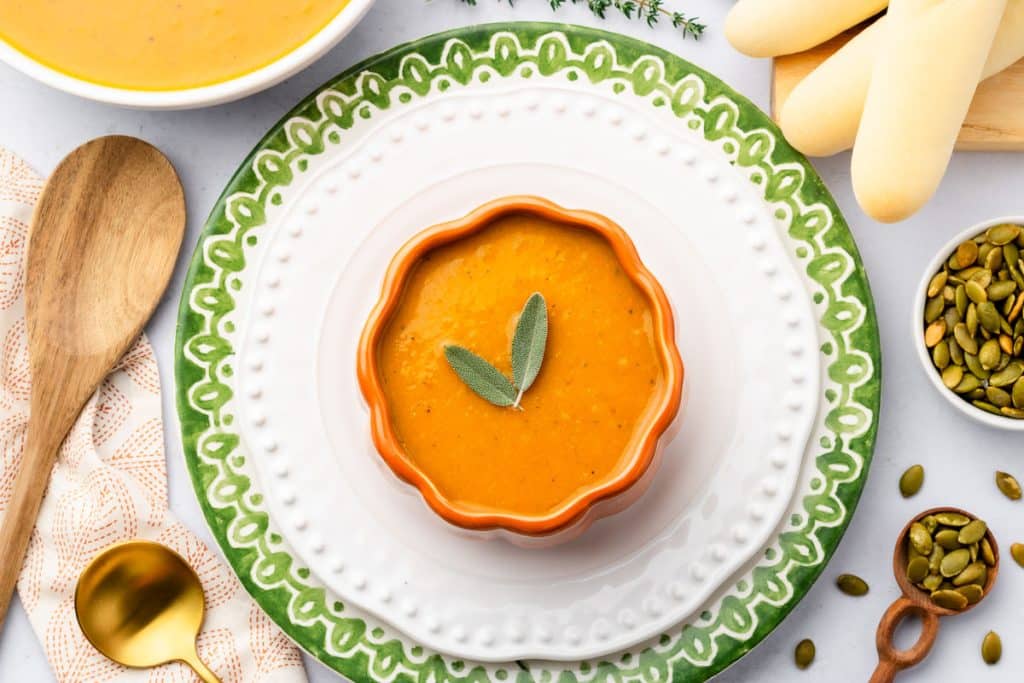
x=161, y=44
x=598, y=390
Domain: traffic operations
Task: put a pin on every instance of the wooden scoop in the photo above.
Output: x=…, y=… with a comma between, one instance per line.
x=104, y=239
x=918, y=602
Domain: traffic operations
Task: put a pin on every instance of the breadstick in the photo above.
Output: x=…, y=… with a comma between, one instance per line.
x=768, y=28
x=921, y=86
x=821, y=115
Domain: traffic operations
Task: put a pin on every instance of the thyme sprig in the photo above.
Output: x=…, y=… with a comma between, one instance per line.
x=648, y=11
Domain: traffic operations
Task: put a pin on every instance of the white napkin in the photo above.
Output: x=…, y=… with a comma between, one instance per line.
x=109, y=484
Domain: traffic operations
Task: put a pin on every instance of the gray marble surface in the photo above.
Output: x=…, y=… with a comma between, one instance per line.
x=916, y=425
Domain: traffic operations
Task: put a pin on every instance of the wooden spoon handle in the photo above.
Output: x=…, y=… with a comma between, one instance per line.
x=37, y=461
x=890, y=660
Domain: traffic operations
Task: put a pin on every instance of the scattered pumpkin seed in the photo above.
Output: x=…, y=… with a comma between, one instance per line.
x=1009, y=485
x=949, y=599
x=911, y=480
x=851, y=584
x=972, y=532
x=804, y=653
x=1017, y=553
x=991, y=648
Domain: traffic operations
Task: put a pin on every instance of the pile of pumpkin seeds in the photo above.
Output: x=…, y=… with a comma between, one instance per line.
x=948, y=555
x=973, y=324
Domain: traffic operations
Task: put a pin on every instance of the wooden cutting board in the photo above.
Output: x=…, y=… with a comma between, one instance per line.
x=996, y=119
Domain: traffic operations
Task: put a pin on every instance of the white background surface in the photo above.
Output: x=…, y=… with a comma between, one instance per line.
x=916, y=424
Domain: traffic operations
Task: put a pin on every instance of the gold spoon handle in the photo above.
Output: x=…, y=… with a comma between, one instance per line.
x=192, y=659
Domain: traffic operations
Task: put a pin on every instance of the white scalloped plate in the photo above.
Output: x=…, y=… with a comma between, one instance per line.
x=746, y=330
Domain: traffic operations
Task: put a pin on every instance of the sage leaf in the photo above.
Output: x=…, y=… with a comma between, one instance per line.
x=529, y=342
x=480, y=376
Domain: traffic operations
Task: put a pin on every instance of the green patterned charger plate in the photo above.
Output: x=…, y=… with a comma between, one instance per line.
x=755, y=600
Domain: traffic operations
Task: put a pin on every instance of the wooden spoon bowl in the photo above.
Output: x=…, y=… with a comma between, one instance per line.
x=917, y=602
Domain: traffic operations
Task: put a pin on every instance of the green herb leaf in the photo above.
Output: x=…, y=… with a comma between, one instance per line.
x=528, y=343
x=480, y=376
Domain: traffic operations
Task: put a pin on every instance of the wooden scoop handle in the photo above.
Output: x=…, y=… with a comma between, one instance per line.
x=890, y=660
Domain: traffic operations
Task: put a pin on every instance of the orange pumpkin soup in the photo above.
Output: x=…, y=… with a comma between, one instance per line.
x=602, y=383
x=161, y=44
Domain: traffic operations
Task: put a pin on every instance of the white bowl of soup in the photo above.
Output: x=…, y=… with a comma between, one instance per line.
x=170, y=54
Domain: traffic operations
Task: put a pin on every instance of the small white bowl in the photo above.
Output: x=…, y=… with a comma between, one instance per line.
x=917, y=327
x=204, y=96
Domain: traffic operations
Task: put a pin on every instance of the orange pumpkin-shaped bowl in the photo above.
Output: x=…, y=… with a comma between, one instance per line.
x=585, y=442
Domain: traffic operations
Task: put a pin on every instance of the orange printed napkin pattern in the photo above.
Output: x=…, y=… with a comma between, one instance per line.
x=109, y=484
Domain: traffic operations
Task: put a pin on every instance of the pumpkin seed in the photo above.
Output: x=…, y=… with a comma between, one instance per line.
x=1017, y=394
x=975, y=572
x=1009, y=485
x=956, y=354
x=971, y=319
x=972, y=532
x=968, y=383
x=987, y=555
x=1016, y=413
x=917, y=569
x=980, y=275
x=940, y=355
x=935, y=559
x=975, y=367
x=948, y=539
x=993, y=258
x=1001, y=234
x=1015, y=311
x=932, y=582
x=997, y=397
x=803, y=655
x=951, y=317
x=851, y=584
x=933, y=309
x=952, y=519
x=1010, y=253
x=911, y=480
x=1005, y=345
x=997, y=291
x=967, y=253
x=930, y=523
x=987, y=407
x=964, y=338
x=973, y=592
x=938, y=283
x=976, y=292
x=954, y=562
x=920, y=539
x=989, y=354
x=1008, y=375
x=960, y=300
x=934, y=333
x=988, y=316
x=949, y=599
x=974, y=552
x=1018, y=343
x=1017, y=553
x=991, y=648
x=976, y=395
x=952, y=375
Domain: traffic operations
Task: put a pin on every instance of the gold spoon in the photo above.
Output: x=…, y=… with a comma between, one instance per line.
x=140, y=604
x=104, y=239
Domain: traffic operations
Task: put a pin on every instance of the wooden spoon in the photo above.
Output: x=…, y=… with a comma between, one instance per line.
x=104, y=239
x=917, y=602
